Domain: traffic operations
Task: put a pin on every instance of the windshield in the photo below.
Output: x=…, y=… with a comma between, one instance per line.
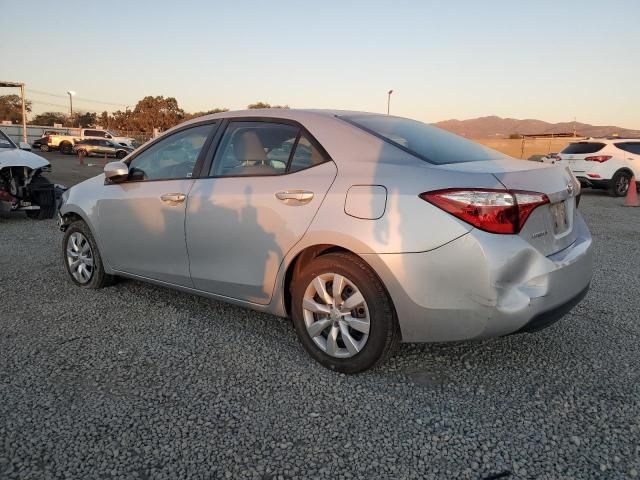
x=424, y=141
x=5, y=142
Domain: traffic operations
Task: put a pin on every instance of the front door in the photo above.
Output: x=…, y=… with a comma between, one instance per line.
x=141, y=220
x=268, y=180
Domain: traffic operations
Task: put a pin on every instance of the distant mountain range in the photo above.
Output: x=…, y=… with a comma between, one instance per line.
x=497, y=127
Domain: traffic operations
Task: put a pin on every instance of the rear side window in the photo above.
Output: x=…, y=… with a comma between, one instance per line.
x=423, y=141
x=306, y=155
x=254, y=148
x=631, y=147
x=579, y=148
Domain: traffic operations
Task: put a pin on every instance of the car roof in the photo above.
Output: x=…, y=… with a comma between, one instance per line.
x=607, y=140
x=299, y=115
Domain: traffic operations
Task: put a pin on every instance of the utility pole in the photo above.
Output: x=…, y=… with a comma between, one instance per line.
x=71, y=93
x=24, y=115
x=389, y=101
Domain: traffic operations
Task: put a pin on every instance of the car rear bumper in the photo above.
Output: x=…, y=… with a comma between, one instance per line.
x=482, y=285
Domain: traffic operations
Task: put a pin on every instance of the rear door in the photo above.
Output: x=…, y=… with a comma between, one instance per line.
x=266, y=181
x=631, y=153
x=574, y=154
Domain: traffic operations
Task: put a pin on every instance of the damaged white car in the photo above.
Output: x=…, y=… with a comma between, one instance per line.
x=22, y=184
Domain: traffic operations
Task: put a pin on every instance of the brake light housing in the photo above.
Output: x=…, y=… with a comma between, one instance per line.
x=598, y=158
x=494, y=211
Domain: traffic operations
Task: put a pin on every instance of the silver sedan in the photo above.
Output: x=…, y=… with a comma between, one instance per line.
x=365, y=229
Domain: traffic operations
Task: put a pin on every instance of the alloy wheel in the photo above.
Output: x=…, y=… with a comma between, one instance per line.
x=622, y=185
x=79, y=257
x=336, y=315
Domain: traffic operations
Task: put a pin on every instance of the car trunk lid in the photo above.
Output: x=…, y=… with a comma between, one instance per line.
x=549, y=228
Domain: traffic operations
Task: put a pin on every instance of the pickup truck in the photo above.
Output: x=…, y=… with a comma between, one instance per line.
x=65, y=143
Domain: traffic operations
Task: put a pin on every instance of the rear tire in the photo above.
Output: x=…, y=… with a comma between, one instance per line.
x=44, y=148
x=120, y=155
x=43, y=195
x=619, y=184
x=79, y=235
x=369, y=328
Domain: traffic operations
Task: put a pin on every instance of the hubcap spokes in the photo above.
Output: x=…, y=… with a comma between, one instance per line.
x=336, y=315
x=79, y=257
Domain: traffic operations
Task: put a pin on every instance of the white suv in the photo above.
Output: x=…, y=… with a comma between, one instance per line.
x=604, y=163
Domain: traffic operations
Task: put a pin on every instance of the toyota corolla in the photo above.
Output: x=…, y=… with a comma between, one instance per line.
x=366, y=230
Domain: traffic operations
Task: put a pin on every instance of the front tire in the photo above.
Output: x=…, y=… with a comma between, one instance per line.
x=82, y=258
x=44, y=147
x=120, y=155
x=42, y=194
x=342, y=313
x=619, y=184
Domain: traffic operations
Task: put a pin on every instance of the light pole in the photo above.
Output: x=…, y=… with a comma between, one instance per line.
x=71, y=93
x=389, y=100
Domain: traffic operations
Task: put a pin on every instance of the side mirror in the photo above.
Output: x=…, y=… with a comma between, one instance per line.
x=116, y=171
x=108, y=136
x=25, y=146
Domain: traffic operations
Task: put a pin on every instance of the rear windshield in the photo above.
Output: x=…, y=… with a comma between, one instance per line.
x=424, y=141
x=583, y=147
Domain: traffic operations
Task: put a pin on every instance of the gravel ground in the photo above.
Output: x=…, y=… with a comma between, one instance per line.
x=137, y=381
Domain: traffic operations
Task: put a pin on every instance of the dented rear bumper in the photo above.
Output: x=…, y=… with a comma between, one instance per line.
x=484, y=285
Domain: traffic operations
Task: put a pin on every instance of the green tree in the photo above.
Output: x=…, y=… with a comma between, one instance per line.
x=208, y=112
x=258, y=105
x=87, y=119
x=49, y=118
x=155, y=112
x=11, y=108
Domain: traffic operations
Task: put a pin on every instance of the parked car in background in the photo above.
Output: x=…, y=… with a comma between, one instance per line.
x=607, y=164
x=65, y=143
x=23, y=187
x=95, y=146
x=366, y=229
x=550, y=158
x=43, y=142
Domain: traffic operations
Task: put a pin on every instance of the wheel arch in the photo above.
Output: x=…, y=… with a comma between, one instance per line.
x=72, y=214
x=306, y=255
x=623, y=170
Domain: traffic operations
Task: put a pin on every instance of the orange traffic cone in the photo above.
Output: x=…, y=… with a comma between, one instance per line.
x=631, y=200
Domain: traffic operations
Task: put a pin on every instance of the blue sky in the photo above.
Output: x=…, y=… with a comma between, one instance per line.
x=552, y=60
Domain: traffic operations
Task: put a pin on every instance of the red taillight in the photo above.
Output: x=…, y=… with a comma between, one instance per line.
x=598, y=158
x=494, y=211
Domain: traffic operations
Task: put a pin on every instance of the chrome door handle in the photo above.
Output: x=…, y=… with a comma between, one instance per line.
x=173, y=198
x=295, y=197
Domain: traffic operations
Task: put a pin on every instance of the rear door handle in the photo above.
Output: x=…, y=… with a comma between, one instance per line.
x=173, y=198
x=295, y=197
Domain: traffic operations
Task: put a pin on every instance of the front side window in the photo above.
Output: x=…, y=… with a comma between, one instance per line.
x=94, y=133
x=631, y=147
x=172, y=157
x=254, y=148
x=423, y=141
